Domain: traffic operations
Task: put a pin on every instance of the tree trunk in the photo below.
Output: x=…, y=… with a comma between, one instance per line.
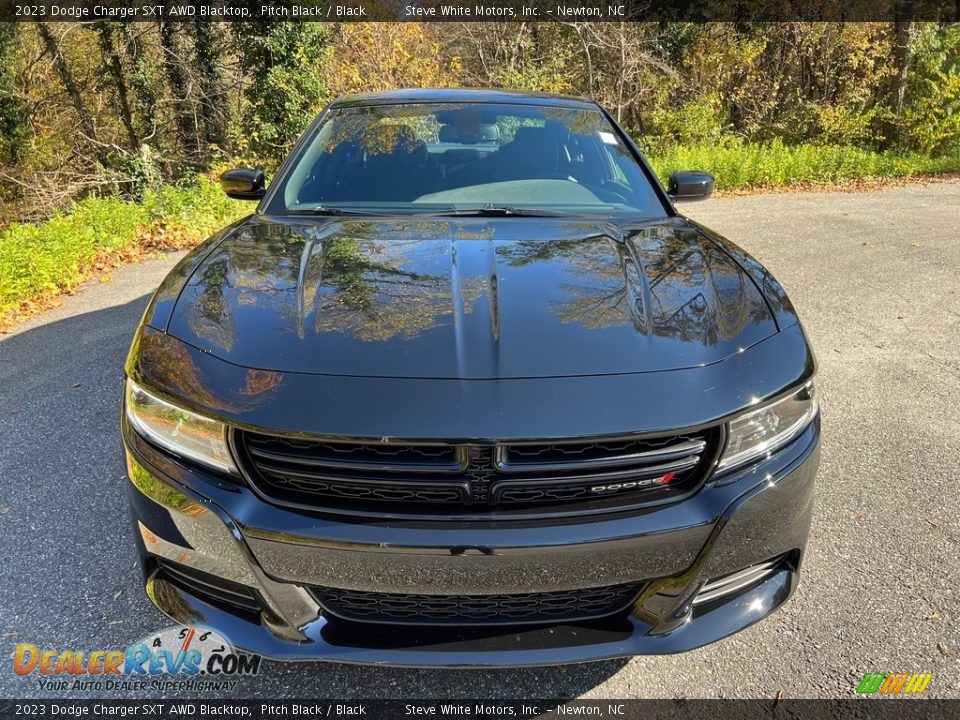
x=578, y=28
x=66, y=77
x=208, y=52
x=141, y=80
x=115, y=68
x=902, y=54
x=179, y=84
x=14, y=126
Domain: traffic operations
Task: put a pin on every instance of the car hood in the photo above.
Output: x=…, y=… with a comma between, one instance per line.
x=468, y=298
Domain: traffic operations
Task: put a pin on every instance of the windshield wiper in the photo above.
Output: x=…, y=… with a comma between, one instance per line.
x=327, y=211
x=336, y=211
x=504, y=211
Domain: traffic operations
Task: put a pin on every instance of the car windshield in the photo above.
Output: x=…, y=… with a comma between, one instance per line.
x=464, y=158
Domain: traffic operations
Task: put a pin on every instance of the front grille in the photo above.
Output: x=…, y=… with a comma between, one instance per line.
x=475, y=480
x=526, y=608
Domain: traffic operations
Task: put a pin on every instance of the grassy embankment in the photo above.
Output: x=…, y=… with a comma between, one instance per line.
x=39, y=262
x=740, y=167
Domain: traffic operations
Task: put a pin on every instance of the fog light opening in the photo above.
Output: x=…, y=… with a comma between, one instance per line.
x=729, y=584
x=211, y=589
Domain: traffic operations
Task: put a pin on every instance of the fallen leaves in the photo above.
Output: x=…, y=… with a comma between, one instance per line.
x=846, y=186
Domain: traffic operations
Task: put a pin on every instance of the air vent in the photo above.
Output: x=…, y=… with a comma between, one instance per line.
x=466, y=610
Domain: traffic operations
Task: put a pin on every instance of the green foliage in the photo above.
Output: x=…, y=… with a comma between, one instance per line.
x=141, y=170
x=800, y=82
x=844, y=124
x=284, y=65
x=547, y=76
x=199, y=209
x=737, y=165
x=50, y=256
x=930, y=120
x=14, y=129
x=695, y=121
x=41, y=259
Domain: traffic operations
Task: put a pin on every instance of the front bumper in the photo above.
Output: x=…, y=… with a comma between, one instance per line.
x=194, y=519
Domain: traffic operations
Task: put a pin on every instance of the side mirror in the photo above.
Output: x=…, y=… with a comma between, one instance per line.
x=243, y=184
x=690, y=185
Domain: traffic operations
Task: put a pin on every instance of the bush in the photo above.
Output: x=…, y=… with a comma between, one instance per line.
x=694, y=121
x=196, y=211
x=40, y=260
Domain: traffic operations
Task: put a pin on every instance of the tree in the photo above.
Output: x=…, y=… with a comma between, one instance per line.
x=180, y=86
x=14, y=126
x=208, y=53
x=624, y=67
x=144, y=81
x=518, y=56
x=903, y=25
x=350, y=67
x=283, y=67
x=87, y=126
x=114, y=66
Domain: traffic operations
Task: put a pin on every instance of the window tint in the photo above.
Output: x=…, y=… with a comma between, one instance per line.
x=427, y=157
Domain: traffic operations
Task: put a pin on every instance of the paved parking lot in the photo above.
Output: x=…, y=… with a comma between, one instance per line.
x=876, y=278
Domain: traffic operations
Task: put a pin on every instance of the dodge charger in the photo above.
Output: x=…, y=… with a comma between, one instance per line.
x=465, y=388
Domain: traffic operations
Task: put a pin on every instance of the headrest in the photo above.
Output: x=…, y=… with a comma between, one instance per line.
x=536, y=138
x=485, y=133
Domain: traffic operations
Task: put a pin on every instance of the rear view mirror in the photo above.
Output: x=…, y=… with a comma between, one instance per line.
x=690, y=185
x=243, y=184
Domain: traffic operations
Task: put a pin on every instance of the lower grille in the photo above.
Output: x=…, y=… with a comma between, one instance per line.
x=464, y=610
x=517, y=479
x=215, y=590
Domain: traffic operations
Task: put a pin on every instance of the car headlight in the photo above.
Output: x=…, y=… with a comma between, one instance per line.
x=759, y=432
x=180, y=431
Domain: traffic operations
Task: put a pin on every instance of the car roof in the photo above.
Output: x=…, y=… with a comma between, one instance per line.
x=462, y=95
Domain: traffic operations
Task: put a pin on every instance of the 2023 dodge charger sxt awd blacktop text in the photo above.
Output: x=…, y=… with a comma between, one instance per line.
x=467, y=390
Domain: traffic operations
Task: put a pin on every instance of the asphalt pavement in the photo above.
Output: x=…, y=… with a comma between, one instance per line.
x=876, y=278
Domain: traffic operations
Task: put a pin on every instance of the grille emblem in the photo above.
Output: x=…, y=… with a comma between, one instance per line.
x=633, y=484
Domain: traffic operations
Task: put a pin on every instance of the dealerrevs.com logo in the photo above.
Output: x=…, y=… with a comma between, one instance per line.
x=181, y=658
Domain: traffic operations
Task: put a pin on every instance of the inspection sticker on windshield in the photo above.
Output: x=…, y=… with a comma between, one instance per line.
x=608, y=137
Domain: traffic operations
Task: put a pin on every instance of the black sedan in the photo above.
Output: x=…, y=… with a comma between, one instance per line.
x=465, y=389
